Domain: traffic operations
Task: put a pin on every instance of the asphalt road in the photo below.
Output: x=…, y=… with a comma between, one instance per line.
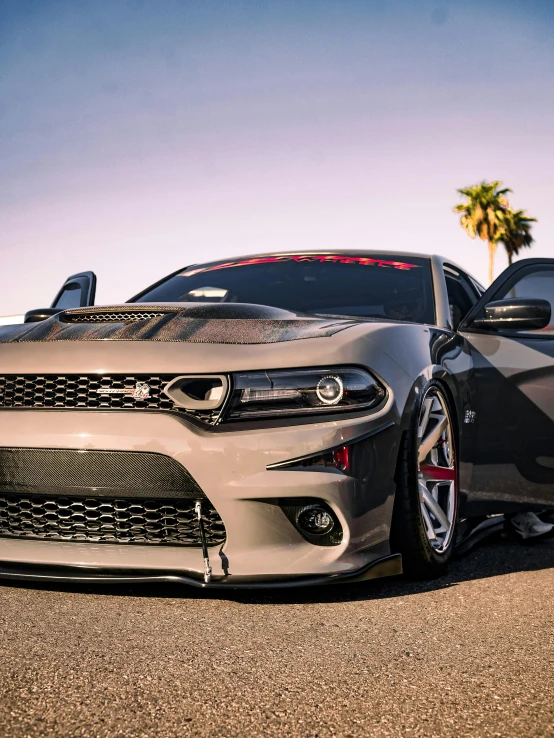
x=468, y=655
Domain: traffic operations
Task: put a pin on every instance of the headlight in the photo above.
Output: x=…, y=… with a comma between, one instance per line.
x=285, y=392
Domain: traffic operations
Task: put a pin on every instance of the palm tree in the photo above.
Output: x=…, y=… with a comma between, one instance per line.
x=483, y=213
x=516, y=232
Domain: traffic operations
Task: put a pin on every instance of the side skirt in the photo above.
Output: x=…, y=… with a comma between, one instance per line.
x=473, y=531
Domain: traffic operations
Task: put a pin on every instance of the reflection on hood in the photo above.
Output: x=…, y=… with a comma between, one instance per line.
x=175, y=327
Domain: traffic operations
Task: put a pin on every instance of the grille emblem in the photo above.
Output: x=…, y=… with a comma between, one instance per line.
x=141, y=391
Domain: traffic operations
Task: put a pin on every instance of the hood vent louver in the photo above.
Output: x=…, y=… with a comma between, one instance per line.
x=116, y=314
x=133, y=312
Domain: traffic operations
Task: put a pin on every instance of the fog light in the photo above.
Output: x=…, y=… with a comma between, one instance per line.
x=315, y=520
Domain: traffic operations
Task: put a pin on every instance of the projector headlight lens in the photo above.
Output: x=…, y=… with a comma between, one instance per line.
x=286, y=392
x=330, y=390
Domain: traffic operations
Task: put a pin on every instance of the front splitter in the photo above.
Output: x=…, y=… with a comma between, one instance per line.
x=384, y=567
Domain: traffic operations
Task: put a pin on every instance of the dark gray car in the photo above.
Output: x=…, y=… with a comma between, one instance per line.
x=282, y=419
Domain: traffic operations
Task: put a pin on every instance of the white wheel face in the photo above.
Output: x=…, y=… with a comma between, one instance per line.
x=436, y=467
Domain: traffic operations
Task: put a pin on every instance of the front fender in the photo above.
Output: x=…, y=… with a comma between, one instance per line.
x=426, y=353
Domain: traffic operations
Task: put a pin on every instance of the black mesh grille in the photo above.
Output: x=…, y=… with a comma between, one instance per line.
x=73, y=390
x=114, y=317
x=116, y=313
x=95, y=473
x=107, y=520
x=78, y=391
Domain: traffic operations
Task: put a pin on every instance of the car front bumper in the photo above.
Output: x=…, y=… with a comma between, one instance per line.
x=231, y=466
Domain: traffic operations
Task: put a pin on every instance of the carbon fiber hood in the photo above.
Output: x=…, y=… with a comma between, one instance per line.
x=193, y=323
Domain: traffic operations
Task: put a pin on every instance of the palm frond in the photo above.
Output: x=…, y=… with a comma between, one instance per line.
x=516, y=231
x=481, y=213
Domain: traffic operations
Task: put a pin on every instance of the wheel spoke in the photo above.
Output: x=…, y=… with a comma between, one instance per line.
x=427, y=404
x=424, y=495
x=431, y=439
x=431, y=535
x=433, y=506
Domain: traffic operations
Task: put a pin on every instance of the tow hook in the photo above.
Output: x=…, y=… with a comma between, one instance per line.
x=207, y=567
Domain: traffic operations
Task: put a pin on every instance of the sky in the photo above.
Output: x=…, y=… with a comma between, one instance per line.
x=139, y=136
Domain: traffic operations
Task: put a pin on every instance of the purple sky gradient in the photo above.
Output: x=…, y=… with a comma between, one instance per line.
x=139, y=137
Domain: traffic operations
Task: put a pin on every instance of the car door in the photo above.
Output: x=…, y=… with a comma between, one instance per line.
x=512, y=389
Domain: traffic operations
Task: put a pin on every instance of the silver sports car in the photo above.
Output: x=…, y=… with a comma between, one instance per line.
x=283, y=419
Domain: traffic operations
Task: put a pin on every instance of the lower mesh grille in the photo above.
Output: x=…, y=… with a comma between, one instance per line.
x=91, y=473
x=104, y=520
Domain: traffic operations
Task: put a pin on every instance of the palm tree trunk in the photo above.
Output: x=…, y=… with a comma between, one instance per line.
x=510, y=258
x=492, y=252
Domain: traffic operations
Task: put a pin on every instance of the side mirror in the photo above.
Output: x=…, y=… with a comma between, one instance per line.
x=79, y=290
x=37, y=316
x=519, y=314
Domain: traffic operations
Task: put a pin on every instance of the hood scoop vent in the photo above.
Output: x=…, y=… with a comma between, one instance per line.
x=203, y=311
x=117, y=314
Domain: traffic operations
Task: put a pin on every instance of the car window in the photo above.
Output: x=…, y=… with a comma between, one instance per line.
x=477, y=286
x=462, y=294
x=536, y=282
x=373, y=286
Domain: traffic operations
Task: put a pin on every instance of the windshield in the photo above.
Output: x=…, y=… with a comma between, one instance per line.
x=371, y=286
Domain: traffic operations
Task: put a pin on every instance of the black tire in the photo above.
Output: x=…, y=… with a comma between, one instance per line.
x=408, y=533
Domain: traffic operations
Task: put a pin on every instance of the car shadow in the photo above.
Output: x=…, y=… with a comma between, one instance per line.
x=495, y=557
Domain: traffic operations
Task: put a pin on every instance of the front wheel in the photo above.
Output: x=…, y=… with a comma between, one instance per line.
x=426, y=503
